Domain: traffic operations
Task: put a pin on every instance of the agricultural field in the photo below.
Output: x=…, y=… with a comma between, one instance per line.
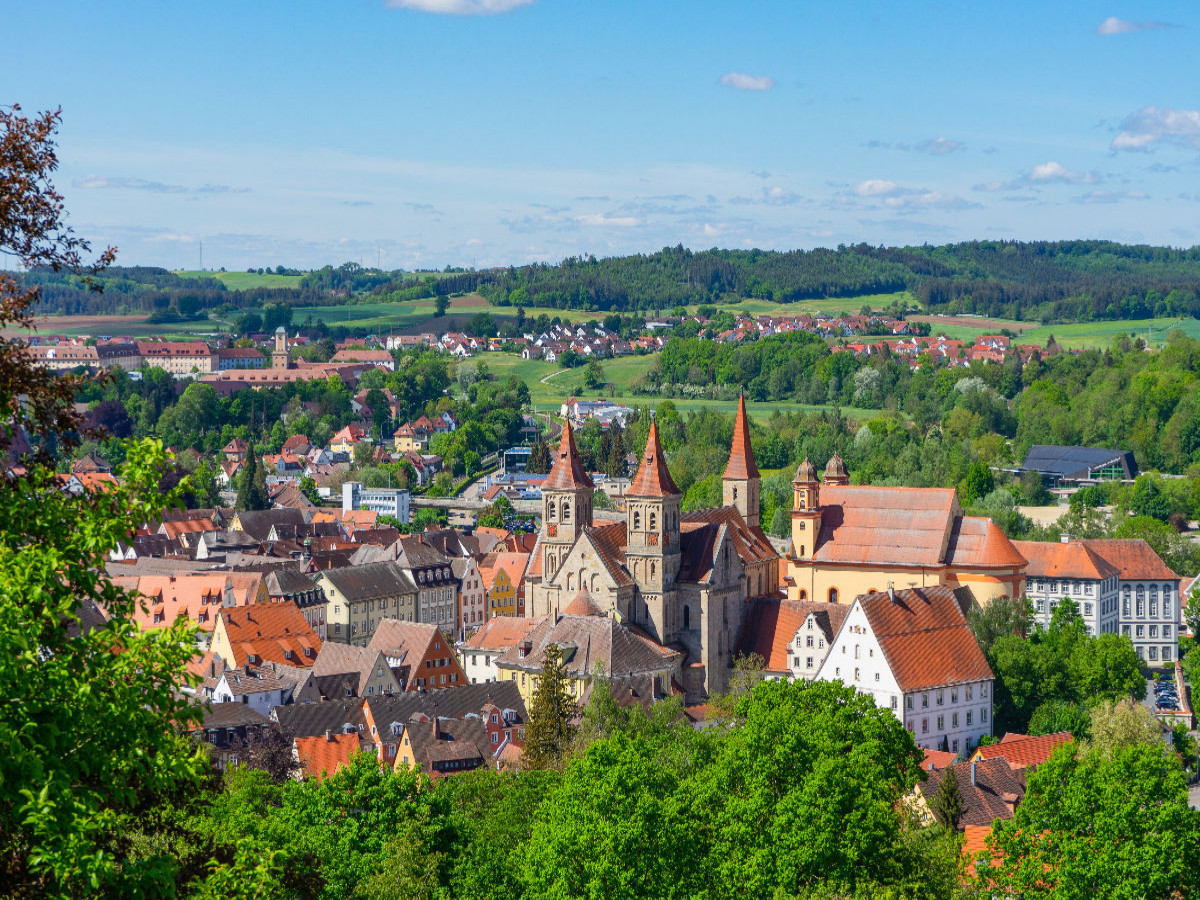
x=1085, y=335
x=236, y=281
x=117, y=326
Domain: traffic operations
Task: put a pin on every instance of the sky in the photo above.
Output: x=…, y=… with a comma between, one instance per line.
x=426, y=133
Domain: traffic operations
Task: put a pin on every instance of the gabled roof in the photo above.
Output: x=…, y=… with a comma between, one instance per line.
x=442, y=740
x=309, y=719
x=588, y=642
x=652, y=479
x=770, y=625
x=405, y=641
x=741, y=456
x=322, y=756
x=885, y=525
x=1133, y=558
x=270, y=631
x=345, y=666
x=453, y=702
x=371, y=581
x=925, y=638
x=994, y=793
x=567, y=473
x=260, y=679
x=1052, y=559
x=1025, y=751
x=501, y=633
x=750, y=543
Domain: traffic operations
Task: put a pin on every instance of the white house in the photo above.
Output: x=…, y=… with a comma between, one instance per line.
x=499, y=635
x=260, y=687
x=913, y=653
x=1071, y=569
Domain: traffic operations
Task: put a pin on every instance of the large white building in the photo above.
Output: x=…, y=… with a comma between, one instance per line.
x=1071, y=569
x=913, y=652
x=384, y=501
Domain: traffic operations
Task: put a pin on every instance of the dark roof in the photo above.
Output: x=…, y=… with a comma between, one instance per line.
x=417, y=554
x=452, y=702
x=996, y=790
x=1076, y=462
x=257, y=523
x=288, y=580
x=371, y=581
x=230, y=715
x=310, y=719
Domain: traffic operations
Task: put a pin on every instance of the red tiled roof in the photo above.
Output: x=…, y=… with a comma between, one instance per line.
x=885, y=525
x=322, y=756
x=610, y=542
x=568, y=473
x=936, y=760
x=1051, y=559
x=925, y=638
x=1133, y=558
x=502, y=633
x=741, y=456
x=653, y=479
x=1025, y=751
x=582, y=605
x=270, y=631
x=979, y=543
x=770, y=626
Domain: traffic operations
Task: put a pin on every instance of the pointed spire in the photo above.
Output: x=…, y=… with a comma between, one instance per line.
x=653, y=479
x=741, y=456
x=567, y=473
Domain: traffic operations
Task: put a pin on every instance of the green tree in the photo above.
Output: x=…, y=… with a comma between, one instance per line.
x=252, y=494
x=593, y=373
x=1124, y=723
x=1055, y=716
x=1099, y=825
x=1003, y=616
x=539, y=458
x=308, y=487
x=946, y=803
x=978, y=484
x=551, y=715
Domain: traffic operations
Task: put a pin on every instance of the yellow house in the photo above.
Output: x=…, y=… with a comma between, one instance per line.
x=347, y=439
x=412, y=439
x=503, y=576
x=637, y=667
x=849, y=540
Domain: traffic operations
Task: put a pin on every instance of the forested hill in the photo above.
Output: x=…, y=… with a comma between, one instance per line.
x=1046, y=281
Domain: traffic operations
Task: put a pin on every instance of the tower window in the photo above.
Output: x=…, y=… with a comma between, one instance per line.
x=687, y=616
x=566, y=512
x=637, y=521
x=833, y=595
x=653, y=521
x=550, y=511
x=735, y=493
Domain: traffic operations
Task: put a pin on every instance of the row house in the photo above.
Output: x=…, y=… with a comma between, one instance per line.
x=358, y=597
x=792, y=637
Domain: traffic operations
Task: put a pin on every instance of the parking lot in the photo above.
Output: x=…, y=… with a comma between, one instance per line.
x=1161, y=694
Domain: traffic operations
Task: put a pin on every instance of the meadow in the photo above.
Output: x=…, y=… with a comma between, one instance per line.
x=237, y=281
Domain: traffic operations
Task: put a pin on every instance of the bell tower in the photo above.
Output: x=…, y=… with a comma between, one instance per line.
x=280, y=358
x=806, y=511
x=652, y=507
x=566, y=505
x=739, y=484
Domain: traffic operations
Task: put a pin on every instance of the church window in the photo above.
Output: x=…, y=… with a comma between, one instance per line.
x=803, y=500
x=803, y=594
x=551, y=511
x=653, y=522
x=833, y=595
x=637, y=521
x=687, y=617
x=566, y=511
x=653, y=569
x=735, y=493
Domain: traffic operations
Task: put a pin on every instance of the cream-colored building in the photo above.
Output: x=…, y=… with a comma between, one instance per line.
x=359, y=597
x=849, y=540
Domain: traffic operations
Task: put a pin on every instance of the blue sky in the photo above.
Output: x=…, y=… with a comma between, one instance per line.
x=423, y=133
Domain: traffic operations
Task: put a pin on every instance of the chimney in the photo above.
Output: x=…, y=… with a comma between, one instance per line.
x=329, y=734
x=892, y=591
x=1065, y=538
x=973, y=762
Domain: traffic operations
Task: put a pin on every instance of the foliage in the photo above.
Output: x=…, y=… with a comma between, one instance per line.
x=1123, y=724
x=946, y=802
x=550, y=731
x=252, y=494
x=1055, y=716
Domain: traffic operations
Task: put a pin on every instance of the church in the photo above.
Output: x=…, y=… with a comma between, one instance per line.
x=686, y=579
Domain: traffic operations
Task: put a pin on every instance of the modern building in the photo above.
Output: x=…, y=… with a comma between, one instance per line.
x=849, y=540
x=1080, y=465
x=913, y=653
x=383, y=501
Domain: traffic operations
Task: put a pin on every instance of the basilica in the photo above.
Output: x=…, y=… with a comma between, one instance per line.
x=685, y=579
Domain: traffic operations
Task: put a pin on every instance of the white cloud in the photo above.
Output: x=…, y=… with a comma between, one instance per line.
x=874, y=187
x=460, y=7
x=1113, y=25
x=711, y=231
x=615, y=221
x=1151, y=125
x=1110, y=196
x=99, y=182
x=1053, y=171
x=743, y=82
x=940, y=146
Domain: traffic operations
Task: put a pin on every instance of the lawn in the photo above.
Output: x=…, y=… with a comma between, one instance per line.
x=1086, y=335
x=237, y=281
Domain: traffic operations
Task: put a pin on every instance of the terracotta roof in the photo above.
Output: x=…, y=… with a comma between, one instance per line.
x=342, y=667
x=934, y=760
x=501, y=633
x=925, y=638
x=1052, y=559
x=996, y=790
x=568, y=473
x=197, y=598
x=741, y=456
x=582, y=605
x=270, y=631
x=750, y=543
x=980, y=544
x=1133, y=558
x=588, y=641
x=1025, y=751
x=610, y=543
x=404, y=641
x=321, y=756
x=653, y=479
x=885, y=525
x=770, y=625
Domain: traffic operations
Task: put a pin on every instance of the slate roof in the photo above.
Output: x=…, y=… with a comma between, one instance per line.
x=652, y=478
x=308, y=719
x=452, y=702
x=996, y=790
x=257, y=523
x=770, y=624
x=446, y=740
x=288, y=580
x=229, y=715
x=1075, y=462
x=925, y=638
x=1052, y=559
x=371, y=581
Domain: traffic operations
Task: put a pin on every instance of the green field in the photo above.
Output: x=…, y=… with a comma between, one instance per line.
x=1100, y=334
x=237, y=281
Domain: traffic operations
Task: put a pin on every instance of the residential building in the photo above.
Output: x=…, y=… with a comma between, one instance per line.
x=503, y=576
x=792, y=637
x=381, y=358
x=240, y=358
x=437, y=586
x=1149, y=596
x=358, y=597
x=989, y=789
x=382, y=501
x=1021, y=751
x=498, y=636
x=179, y=357
x=1071, y=569
x=265, y=633
x=440, y=747
x=347, y=439
x=913, y=653
x=290, y=585
x=321, y=756
x=261, y=687
x=418, y=654
x=229, y=731
x=849, y=539
x=472, y=595
x=343, y=671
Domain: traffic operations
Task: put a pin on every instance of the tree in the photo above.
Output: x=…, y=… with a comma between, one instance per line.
x=252, y=494
x=441, y=304
x=979, y=483
x=539, y=458
x=1124, y=724
x=550, y=731
x=1004, y=615
x=1099, y=825
x=308, y=487
x=1055, y=716
x=593, y=373
x=946, y=802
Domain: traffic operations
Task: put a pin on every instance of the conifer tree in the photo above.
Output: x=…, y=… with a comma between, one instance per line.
x=539, y=459
x=253, y=492
x=551, y=716
x=946, y=803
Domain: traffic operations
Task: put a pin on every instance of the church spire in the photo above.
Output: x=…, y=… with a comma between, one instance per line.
x=653, y=479
x=568, y=473
x=741, y=455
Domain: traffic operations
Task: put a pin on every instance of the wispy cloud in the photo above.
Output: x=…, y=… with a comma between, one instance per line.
x=1042, y=174
x=939, y=146
x=1113, y=25
x=98, y=182
x=1150, y=125
x=613, y=221
x=744, y=82
x=460, y=7
x=875, y=187
x=902, y=199
x=1110, y=196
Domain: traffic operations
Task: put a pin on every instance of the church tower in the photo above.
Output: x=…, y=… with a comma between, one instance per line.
x=280, y=358
x=652, y=540
x=835, y=472
x=566, y=505
x=739, y=484
x=806, y=511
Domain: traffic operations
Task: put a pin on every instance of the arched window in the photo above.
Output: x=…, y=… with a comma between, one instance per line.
x=570, y=581
x=687, y=616
x=856, y=651
x=653, y=521
x=653, y=568
x=550, y=510
x=735, y=493
x=804, y=595
x=802, y=550
x=637, y=521
x=566, y=511
x=803, y=500
x=833, y=595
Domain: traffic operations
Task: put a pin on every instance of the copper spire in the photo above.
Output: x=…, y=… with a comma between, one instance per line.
x=741, y=456
x=568, y=473
x=653, y=479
